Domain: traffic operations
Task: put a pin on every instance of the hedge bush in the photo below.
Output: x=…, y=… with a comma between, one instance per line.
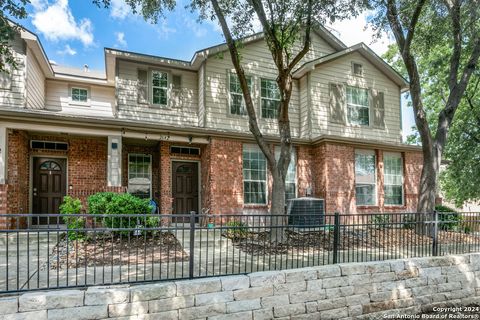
x=72, y=206
x=112, y=204
x=448, y=217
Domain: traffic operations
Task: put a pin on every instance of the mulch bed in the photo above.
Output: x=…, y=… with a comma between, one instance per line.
x=354, y=238
x=107, y=250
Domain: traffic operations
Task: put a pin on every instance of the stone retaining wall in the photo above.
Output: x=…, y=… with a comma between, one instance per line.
x=371, y=290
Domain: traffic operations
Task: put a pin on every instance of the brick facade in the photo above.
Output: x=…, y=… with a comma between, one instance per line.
x=223, y=187
x=326, y=169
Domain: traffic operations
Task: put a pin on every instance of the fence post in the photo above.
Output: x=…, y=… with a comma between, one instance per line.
x=336, y=237
x=435, y=234
x=191, y=256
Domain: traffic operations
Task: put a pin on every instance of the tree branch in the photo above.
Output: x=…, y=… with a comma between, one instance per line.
x=306, y=44
x=454, y=9
x=413, y=24
x=445, y=117
x=413, y=74
x=232, y=47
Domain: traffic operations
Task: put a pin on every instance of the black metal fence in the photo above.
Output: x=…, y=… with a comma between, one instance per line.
x=84, y=250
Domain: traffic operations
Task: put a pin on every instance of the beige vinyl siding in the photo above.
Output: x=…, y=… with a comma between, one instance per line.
x=340, y=71
x=318, y=48
x=35, y=83
x=101, y=99
x=14, y=97
x=182, y=108
x=257, y=62
x=304, y=115
x=201, y=95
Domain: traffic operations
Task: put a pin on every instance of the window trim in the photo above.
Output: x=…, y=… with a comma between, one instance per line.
x=370, y=153
x=229, y=102
x=151, y=87
x=398, y=155
x=260, y=97
x=358, y=106
x=257, y=148
x=150, y=170
x=79, y=103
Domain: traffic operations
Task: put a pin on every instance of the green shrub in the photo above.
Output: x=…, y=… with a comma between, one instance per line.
x=409, y=221
x=71, y=206
x=381, y=221
x=236, y=229
x=97, y=203
x=448, y=217
x=112, y=204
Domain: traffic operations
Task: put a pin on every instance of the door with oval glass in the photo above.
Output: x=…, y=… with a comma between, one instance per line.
x=49, y=187
x=184, y=188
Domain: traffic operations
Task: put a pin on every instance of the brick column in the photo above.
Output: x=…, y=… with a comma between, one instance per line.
x=413, y=162
x=380, y=180
x=165, y=178
x=3, y=154
x=226, y=177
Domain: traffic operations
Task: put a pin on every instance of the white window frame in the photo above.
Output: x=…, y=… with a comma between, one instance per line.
x=362, y=152
x=230, y=93
x=396, y=155
x=166, y=88
x=149, y=170
x=77, y=102
x=293, y=161
x=358, y=106
x=266, y=98
x=255, y=148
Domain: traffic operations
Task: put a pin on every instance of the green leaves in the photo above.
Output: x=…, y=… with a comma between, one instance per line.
x=13, y=9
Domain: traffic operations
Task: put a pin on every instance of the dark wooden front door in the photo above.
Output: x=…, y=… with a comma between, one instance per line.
x=185, y=187
x=49, y=187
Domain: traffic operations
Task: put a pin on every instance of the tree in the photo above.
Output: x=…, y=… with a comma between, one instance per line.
x=15, y=9
x=460, y=179
x=460, y=175
x=446, y=31
x=287, y=27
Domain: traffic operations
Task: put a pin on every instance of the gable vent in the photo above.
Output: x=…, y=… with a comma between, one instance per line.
x=185, y=150
x=48, y=145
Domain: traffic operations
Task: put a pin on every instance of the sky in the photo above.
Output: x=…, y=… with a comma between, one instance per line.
x=75, y=32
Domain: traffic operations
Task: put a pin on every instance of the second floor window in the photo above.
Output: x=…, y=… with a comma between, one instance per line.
x=358, y=109
x=270, y=98
x=159, y=87
x=237, y=103
x=79, y=95
x=365, y=178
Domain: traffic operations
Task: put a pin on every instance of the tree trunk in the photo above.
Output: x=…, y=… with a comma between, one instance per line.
x=277, y=211
x=427, y=192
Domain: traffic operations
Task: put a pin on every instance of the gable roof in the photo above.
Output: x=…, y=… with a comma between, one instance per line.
x=365, y=51
x=32, y=42
x=202, y=54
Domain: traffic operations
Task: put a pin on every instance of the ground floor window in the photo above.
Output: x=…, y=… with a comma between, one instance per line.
x=365, y=177
x=291, y=178
x=393, y=172
x=254, y=175
x=140, y=175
